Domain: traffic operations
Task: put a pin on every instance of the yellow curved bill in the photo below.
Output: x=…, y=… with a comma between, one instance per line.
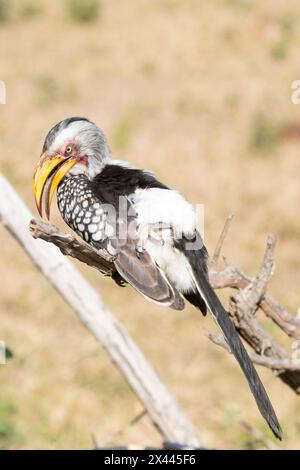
x=58, y=176
x=45, y=170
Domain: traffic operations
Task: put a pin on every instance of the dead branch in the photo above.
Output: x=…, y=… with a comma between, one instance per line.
x=220, y=243
x=164, y=411
x=250, y=296
x=261, y=360
x=71, y=246
x=242, y=308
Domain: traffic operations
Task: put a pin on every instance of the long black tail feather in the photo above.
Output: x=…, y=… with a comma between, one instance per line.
x=237, y=348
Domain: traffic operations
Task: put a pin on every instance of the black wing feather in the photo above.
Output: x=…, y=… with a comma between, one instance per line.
x=198, y=262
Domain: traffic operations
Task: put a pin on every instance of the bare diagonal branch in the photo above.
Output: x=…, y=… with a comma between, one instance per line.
x=163, y=409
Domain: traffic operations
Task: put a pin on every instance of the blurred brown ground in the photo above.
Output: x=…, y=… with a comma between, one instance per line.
x=200, y=93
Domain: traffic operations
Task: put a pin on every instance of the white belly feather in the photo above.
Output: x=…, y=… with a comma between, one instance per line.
x=154, y=207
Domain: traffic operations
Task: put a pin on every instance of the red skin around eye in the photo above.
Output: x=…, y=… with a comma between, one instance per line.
x=63, y=149
x=83, y=159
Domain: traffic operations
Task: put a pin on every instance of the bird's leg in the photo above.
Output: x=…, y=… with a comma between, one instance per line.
x=158, y=233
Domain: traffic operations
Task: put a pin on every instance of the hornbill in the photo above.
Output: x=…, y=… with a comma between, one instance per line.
x=148, y=228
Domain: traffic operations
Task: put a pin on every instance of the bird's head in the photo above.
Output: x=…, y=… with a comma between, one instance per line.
x=73, y=146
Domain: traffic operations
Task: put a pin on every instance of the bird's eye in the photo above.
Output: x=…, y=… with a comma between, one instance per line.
x=68, y=150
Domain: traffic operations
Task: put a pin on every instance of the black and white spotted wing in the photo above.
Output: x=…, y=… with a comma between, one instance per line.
x=82, y=211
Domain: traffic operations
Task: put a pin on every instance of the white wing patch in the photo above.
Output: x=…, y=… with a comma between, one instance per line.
x=156, y=205
x=166, y=208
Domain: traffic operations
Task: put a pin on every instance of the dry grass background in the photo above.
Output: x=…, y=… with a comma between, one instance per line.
x=199, y=92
